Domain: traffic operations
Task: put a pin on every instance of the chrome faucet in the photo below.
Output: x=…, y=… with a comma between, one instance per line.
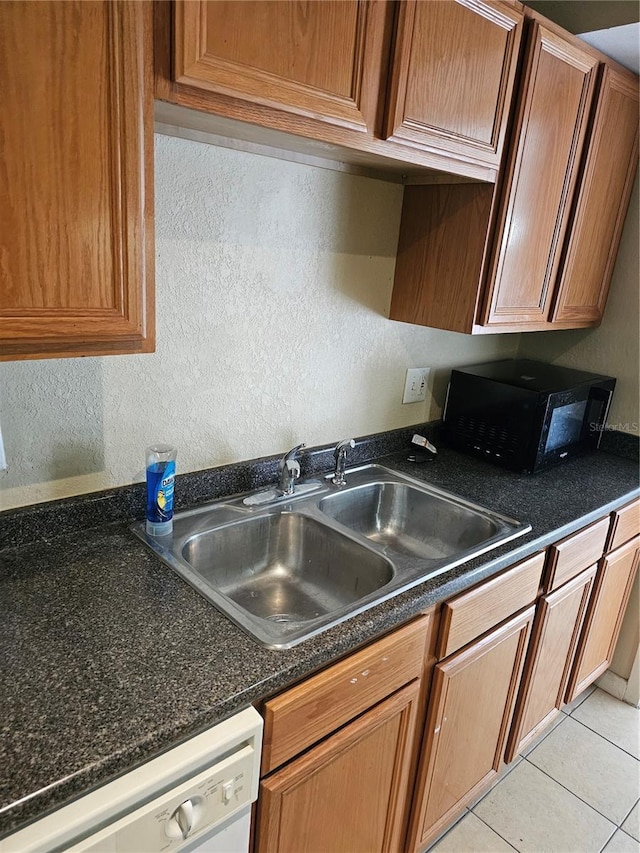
x=340, y=455
x=289, y=470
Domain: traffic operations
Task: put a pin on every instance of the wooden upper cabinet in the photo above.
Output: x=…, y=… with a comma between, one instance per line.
x=539, y=247
x=76, y=227
x=320, y=60
x=602, y=202
x=452, y=76
x=551, y=124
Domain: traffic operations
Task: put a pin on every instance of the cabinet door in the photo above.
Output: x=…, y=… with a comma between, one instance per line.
x=452, y=76
x=604, y=616
x=555, y=633
x=319, y=60
x=472, y=699
x=602, y=203
x=76, y=182
x=350, y=793
x=549, y=133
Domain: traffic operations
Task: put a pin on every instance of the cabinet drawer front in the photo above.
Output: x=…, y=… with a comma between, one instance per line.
x=625, y=524
x=475, y=612
x=308, y=712
x=570, y=556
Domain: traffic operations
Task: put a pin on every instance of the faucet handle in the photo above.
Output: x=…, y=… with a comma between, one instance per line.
x=343, y=446
x=291, y=454
x=340, y=455
x=289, y=470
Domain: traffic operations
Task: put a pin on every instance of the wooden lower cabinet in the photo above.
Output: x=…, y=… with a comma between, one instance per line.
x=604, y=616
x=349, y=793
x=382, y=750
x=472, y=699
x=559, y=618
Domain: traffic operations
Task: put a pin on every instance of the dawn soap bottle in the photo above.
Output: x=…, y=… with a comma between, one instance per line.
x=161, y=473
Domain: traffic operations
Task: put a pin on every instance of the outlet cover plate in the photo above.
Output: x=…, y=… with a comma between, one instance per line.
x=415, y=385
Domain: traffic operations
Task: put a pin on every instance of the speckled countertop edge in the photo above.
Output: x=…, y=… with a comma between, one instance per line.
x=113, y=659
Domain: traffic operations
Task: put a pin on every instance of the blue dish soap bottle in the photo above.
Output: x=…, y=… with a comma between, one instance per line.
x=161, y=473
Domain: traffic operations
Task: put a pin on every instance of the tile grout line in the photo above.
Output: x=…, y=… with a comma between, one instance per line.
x=627, y=815
x=497, y=783
x=582, y=701
x=493, y=830
x=542, y=739
x=573, y=793
x=605, y=738
x=608, y=840
x=446, y=831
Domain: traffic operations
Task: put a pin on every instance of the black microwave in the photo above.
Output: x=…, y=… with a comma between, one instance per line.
x=525, y=415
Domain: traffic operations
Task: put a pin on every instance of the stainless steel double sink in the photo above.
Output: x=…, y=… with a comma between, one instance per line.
x=290, y=569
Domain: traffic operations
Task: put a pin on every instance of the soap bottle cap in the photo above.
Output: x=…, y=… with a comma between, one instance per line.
x=159, y=528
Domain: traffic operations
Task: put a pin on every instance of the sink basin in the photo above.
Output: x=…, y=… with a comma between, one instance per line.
x=408, y=520
x=286, y=570
x=285, y=567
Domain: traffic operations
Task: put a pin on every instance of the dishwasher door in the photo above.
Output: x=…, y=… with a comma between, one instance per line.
x=195, y=797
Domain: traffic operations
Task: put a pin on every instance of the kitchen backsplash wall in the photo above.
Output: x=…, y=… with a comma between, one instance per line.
x=273, y=286
x=613, y=348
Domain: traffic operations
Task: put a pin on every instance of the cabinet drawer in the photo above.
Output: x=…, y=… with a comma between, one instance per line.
x=475, y=612
x=570, y=556
x=625, y=524
x=318, y=706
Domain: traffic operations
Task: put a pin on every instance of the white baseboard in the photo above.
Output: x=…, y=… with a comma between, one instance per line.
x=619, y=687
x=614, y=684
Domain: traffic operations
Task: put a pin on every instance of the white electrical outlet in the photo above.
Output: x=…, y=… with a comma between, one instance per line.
x=415, y=385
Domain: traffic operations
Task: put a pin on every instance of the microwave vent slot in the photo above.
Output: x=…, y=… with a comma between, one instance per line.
x=497, y=439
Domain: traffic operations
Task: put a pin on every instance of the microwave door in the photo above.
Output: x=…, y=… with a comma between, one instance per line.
x=574, y=422
x=597, y=413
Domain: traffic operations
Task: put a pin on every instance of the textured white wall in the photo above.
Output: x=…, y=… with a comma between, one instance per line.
x=273, y=285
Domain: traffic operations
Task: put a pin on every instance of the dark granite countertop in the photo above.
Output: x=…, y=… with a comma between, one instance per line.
x=110, y=658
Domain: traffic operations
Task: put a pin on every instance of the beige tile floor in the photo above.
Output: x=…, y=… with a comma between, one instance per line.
x=576, y=790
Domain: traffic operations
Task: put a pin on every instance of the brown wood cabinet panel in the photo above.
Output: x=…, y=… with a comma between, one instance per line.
x=319, y=60
x=472, y=699
x=452, y=75
x=557, y=625
x=625, y=524
x=574, y=553
x=430, y=251
x=550, y=128
x=319, y=705
x=602, y=202
x=76, y=227
x=604, y=616
x=285, y=113
x=350, y=793
x=472, y=613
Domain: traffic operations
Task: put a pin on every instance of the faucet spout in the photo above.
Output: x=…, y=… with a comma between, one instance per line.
x=340, y=455
x=289, y=470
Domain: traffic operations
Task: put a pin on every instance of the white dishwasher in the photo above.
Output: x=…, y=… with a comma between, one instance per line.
x=195, y=797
